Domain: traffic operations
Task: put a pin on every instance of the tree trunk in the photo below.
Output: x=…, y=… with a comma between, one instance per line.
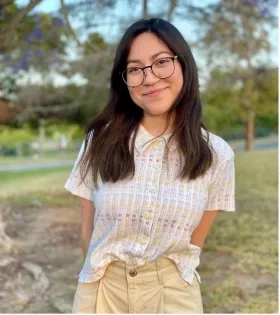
x=145, y=14
x=250, y=130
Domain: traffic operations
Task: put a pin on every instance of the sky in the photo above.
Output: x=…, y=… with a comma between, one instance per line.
x=121, y=9
x=111, y=33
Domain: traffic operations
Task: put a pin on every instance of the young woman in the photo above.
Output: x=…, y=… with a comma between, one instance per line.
x=151, y=181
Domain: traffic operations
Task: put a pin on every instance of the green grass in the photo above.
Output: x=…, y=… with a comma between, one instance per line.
x=32, y=174
x=55, y=199
x=245, y=242
x=44, y=186
x=239, y=263
x=45, y=158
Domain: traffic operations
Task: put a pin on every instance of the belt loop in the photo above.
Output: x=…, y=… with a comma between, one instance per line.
x=159, y=271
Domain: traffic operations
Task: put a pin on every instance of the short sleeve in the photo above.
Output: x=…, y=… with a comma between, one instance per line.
x=222, y=188
x=74, y=183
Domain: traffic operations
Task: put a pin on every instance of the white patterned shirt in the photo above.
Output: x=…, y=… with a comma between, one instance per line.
x=153, y=214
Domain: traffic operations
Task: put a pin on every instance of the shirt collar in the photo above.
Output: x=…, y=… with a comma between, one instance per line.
x=144, y=139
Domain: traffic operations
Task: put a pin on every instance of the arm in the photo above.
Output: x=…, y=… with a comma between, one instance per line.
x=87, y=224
x=199, y=234
x=221, y=196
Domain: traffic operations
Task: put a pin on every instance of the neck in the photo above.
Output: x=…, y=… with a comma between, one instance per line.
x=157, y=125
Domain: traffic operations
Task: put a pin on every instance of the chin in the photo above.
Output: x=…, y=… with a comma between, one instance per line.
x=156, y=110
x=156, y=113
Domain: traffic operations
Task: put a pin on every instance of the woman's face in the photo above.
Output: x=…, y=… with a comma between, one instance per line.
x=155, y=96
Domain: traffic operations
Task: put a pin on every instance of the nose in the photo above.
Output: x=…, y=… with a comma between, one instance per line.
x=149, y=77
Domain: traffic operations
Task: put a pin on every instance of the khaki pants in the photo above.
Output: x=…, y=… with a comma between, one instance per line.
x=153, y=288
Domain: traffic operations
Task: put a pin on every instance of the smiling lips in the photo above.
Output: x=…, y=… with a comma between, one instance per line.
x=154, y=92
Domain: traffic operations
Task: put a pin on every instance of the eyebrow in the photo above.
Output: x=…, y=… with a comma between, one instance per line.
x=153, y=57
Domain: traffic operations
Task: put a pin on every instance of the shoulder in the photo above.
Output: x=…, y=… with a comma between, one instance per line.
x=221, y=148
x=89, y=135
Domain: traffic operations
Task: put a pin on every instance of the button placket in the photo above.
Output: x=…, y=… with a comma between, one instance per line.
x=143, y=240
x=148, y=216
x=152, y=190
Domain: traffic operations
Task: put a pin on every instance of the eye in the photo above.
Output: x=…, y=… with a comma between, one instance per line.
x=163, y=61
x=133, y=70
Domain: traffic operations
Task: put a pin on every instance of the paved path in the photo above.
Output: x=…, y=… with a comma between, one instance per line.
x=30, y=167
x=259, y=144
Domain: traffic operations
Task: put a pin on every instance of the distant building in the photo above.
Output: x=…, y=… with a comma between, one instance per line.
x=6, y=111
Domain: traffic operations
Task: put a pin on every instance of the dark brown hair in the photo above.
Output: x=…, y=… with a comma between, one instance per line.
x=108, y=153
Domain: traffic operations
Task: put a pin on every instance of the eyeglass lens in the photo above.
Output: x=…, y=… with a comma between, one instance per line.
x=162, y=68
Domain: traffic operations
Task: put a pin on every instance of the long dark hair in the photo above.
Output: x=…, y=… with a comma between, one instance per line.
x=109, y=153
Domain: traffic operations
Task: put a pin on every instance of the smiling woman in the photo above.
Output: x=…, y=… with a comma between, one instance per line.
x=151, y=181
x=155, y=102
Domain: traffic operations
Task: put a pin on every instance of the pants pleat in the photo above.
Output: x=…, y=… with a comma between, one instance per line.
x=153, y=289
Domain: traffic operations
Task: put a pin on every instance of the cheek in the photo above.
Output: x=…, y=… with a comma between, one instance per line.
x=135, y=94
x=176, y=84
x=177, y=81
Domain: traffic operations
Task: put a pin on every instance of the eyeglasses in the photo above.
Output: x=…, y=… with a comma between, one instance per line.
x=162, y=68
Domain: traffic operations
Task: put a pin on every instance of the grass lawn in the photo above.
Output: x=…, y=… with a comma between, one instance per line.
x=48, y=157
x=239, y=263
x=241, y=250
x=28, y=187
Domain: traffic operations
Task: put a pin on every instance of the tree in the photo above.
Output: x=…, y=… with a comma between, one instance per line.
x=221, y=100
x=237, y=31
x=37, y=44
x=266, y=84
x=12, y=22
x=234, y=29
x=220, y=103
x=94, y=66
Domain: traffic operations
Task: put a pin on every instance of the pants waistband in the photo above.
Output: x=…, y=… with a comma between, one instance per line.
x=149, y=270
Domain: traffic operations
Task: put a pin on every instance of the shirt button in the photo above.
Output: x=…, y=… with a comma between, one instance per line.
x=143, y=240
x=152, y=188
x=133, y=273
x=147, y=216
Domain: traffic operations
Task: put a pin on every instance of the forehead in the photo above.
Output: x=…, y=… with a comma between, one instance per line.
x=145, y=45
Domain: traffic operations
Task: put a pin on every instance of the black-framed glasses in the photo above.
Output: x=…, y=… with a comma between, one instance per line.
x=162, y=68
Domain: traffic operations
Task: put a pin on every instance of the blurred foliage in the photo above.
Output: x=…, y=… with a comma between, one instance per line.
x=43, y=41
x=221, y=102
x=94, y=43
x=267, y=101
x=10, y=135
x=37, y=41
x=28, y=132
x=55, y=129
x=233, y=35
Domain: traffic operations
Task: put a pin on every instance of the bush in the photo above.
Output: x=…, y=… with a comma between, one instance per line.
x=262, y=132
x=6, y=150
x=54, y=130
x=240, y=133
x=17, y=149
x=232, y=134
x=10, y=135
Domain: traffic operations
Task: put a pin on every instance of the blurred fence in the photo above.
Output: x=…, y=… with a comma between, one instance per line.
x=34, y=148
